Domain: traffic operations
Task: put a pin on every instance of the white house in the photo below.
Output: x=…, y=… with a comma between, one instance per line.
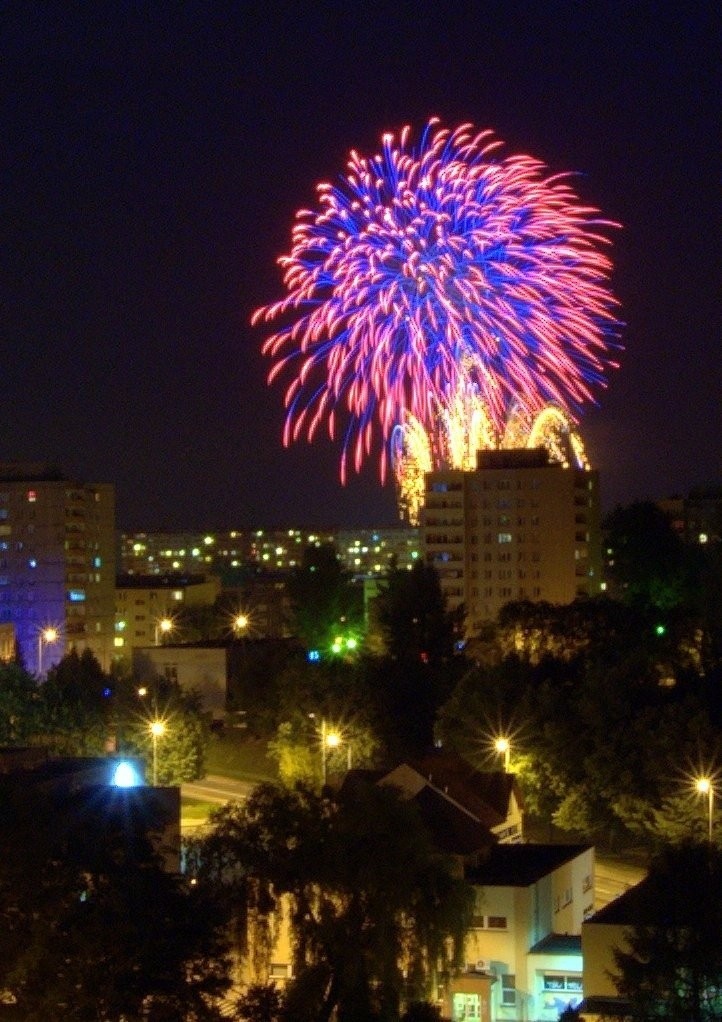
x=531, y=901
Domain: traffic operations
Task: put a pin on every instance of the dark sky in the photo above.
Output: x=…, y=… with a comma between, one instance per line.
x=153, y=156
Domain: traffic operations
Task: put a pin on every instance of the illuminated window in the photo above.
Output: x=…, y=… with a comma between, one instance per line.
x=32, y=496
x=555, y=982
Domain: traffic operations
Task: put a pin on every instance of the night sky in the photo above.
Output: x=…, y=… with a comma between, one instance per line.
x=153, y=156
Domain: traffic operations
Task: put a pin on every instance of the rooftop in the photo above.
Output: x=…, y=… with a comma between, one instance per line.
x=521, y=865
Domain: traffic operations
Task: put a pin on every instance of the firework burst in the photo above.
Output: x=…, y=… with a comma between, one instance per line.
x=434, y=271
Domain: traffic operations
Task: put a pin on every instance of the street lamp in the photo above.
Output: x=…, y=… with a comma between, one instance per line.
x=157, y=728
x=331, y=740
x=241, y=621
x=163, y=626
x=45, y=636
x=503, y=747
x=705, y=787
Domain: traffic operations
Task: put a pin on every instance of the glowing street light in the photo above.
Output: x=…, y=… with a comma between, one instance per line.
x=332, y=740
x=46, y=636
x=157, y=729
x=503, y=747
x=705, y=786
x=163, y=626
x=241, y=621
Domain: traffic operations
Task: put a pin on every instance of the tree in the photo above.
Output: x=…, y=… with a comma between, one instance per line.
x=76, y=706
x=368, y=900
x=411, y=613
x=671, y=965
x=262, y=1002
x=18, y=704
x=180, y=752
x=91, y=928
x=325, y=603
x=646, y=557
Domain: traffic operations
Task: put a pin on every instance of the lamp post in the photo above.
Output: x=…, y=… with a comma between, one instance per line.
x=241, y=622
x=705, y=787
x=503, y=747
x=45, y=636
x=163, y=626
x=157, y=728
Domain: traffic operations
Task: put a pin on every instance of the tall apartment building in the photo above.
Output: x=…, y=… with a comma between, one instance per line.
x=519, y=527
x=57, y=564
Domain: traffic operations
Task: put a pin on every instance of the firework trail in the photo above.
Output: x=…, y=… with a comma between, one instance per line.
x=434, y=271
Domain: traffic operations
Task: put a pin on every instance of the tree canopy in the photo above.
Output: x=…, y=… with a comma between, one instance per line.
x=369, y=930
x=671, y=965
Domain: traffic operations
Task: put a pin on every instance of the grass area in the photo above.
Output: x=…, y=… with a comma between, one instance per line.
x=234, y=754
x=196, y=809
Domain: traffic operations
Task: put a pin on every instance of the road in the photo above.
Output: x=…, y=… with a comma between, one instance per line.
x=214, y=788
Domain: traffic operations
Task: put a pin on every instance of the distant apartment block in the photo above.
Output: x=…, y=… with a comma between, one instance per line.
x=519, y=527
x=696, y=518
x=367, y=552
x=57, y=564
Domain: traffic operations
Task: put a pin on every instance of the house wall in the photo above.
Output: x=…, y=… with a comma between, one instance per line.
x=572, y=894
x=195, y=668
x=598, y=943
x=550, y=985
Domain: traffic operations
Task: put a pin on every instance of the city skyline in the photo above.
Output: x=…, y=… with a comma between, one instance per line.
x=154, y=162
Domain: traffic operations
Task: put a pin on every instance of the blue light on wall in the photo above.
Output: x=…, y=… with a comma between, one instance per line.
x=125, y=775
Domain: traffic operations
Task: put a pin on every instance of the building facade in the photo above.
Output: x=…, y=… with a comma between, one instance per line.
x=367, y=552
x=147, y=607
x=57, y=564
x=519, y=527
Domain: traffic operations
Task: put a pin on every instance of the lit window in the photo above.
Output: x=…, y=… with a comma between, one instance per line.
x=32, y=496
x=504, y=537
x=76, y=595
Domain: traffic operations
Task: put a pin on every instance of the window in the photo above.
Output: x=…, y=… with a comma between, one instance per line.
x=278, y=971
x=466, y=1007
x=496, y=922
x=555, y=982
x=504, y=537
x=508, y=989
